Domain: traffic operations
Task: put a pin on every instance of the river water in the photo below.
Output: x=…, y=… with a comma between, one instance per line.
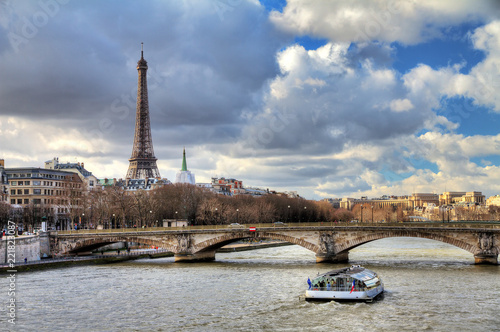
x=430, y=286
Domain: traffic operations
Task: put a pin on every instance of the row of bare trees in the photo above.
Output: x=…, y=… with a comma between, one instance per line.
x=114, y=207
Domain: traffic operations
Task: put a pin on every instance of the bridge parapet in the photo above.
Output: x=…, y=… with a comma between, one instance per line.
x=459, y=225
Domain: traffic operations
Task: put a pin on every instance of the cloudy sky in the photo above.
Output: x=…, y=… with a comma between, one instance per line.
x=329, y=98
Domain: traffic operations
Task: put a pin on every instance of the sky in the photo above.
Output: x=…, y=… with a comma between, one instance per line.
x=327, y=98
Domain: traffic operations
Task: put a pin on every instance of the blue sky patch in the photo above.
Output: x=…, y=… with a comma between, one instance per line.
x=271, y=5
x=455, y=48
x=473, y=119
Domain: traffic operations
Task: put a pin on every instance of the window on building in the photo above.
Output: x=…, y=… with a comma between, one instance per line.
x=13, y=192
x=36, y=183
x=26, y=201
x=13, y=183
x=19, y=191
x=37, y=201
x=26, y=191
x=12, y=201
x=26, y=183
x=37, y=191
x=19, y=201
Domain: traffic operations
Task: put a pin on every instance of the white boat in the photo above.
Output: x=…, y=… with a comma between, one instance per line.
x=353, y=283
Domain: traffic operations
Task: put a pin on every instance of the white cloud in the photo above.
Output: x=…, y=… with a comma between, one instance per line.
x=408, y=22
x=323, y=101
x=401, y=105
x=481, y=83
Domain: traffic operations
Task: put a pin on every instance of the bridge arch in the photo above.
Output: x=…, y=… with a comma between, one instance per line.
x=220, y=241
x=365, y=238
x=92, y=243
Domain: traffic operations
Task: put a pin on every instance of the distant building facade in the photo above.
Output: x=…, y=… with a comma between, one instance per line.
x=234, y=187
x=493, y=200
x=418, y=200
x=142, y=184
x=227, y=186
x=472, y=197
x=90, y=181
x=50, y=195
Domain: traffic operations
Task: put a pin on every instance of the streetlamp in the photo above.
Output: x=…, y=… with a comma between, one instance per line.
x=372, y=214
x=288, y=217
x=361, y=213
x=216, y=216
x=114, y=220
x=238, y=216
x=150, y=217
x=305, y=211
x=83, y=220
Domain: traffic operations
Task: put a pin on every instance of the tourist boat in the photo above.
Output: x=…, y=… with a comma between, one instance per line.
x=353, y=283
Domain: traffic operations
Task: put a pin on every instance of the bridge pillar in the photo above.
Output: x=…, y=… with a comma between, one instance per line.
x=486, y=259
x=332, y=258
x=202, y=256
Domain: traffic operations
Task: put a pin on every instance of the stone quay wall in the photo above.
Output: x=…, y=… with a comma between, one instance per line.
x=24, y=247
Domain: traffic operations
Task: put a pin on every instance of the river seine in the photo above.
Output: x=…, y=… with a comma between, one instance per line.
x=429, y=286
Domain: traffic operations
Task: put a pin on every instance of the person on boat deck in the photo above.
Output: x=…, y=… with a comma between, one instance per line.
x=328, y=286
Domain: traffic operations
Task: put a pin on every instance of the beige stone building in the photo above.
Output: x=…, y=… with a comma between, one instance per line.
x=38, y=194
x=459, y=197
x=493, y=200
x=418, y=200
x=89, y=180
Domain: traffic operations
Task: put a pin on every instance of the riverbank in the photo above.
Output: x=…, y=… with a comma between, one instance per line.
x=79, y=261
x=109, y=258
x=244, y=246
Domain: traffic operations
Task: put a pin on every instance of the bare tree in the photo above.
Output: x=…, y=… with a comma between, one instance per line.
x=5, y=212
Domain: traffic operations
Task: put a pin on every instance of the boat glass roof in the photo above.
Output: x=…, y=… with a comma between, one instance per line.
x=356, y=272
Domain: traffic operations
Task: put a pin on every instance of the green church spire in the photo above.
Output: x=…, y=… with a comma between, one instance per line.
x=184, y=164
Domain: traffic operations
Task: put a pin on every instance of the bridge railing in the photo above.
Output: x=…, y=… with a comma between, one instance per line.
x=460, y=224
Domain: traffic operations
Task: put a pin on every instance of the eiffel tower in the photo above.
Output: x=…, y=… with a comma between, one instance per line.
x=142, y=162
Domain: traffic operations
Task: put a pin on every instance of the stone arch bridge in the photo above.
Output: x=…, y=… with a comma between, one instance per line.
x=330, y=243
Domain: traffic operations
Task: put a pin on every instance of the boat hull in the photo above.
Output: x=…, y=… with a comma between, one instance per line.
x=366, y=296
